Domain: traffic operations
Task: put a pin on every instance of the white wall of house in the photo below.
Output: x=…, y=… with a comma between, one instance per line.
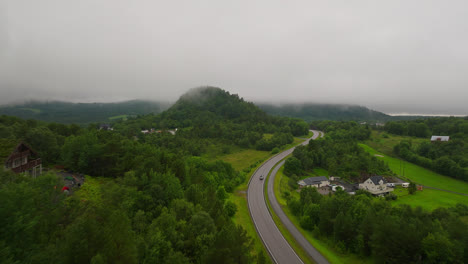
x=369, y=185
x=325, y=183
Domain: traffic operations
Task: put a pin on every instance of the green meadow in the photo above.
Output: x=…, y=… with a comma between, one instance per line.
x=384, y=142
x=428, y=199
x=123, y=117
x=419, y=174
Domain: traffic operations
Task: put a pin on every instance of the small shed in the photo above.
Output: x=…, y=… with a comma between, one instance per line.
x=440, y=138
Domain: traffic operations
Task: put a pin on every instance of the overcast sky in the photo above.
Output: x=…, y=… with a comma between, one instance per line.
x=393, y=56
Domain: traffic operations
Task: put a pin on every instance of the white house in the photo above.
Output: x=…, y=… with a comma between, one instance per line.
x=319, y=181
x=377, y=185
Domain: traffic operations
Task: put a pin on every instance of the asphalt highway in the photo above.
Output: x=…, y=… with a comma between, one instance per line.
x=277, y=246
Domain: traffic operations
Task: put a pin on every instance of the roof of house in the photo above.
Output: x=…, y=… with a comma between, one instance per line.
x=440, y=138
x=315, y=180
x=7, y=146
x=377, y=179
x=18, y=148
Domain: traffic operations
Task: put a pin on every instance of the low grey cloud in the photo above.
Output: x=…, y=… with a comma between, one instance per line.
x=393, y=56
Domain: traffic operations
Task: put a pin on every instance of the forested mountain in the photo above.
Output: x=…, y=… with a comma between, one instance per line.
x=84, y=113
x=210, y=113
x=312, y=111
x=66, y=112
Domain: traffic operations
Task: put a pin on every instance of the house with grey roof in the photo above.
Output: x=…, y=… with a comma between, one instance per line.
x=319, y=181
x=377, y=185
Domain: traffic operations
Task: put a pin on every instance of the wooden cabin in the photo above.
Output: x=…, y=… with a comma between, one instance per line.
x=23, y=159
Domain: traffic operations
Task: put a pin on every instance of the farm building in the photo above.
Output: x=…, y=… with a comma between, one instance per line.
x=440, y=138
x=377, y=185
x=319, y=181
x=23, y=159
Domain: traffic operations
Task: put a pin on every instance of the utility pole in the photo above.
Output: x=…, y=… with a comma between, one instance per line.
x=403, y=169
x=400, y=167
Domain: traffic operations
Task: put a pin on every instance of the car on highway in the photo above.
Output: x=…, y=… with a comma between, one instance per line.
x=261, y=177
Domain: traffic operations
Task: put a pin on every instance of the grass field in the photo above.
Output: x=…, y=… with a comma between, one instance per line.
x=428, y=199
x=419, y=174
x=281, y=185
x=34, y=110
x=244, y=158
x=384, y=142
x=123, y=117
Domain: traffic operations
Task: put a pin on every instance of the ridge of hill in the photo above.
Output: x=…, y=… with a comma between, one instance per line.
x=316, y=111
x=214, y=114
x=214, y=101
x=80, y=113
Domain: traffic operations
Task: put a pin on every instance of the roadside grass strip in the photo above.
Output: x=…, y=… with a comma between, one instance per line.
x=284, y=231
x=241, y=160
x=242, y=216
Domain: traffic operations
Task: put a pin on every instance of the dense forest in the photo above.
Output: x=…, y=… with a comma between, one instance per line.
x=142, y=217
x=81, y=113
x=448, y=158
x=338, y=153
x=152, y=198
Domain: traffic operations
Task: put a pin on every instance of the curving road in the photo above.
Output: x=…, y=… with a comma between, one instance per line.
x=277, y=246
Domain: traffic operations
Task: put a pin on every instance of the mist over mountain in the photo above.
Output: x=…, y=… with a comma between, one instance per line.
x=217, y=103
x=315, y=111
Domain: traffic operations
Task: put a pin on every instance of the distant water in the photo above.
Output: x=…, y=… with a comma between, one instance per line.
x=411, y=114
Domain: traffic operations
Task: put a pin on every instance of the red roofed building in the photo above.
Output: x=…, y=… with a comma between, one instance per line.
x=23, y=159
